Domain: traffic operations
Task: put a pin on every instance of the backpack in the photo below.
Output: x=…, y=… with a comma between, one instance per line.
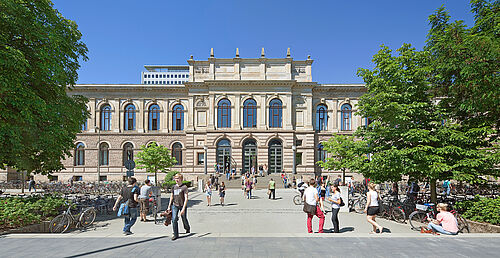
x=446, y=184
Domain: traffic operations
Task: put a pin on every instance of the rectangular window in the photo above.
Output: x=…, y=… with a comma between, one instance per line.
x=53, y=178
x=298, y=158
x=103, y=178
x=77, y=178
x=298, y=142
x=201, y=158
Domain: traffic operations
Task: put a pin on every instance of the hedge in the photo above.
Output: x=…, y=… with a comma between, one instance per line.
x=19, y=212
x=482, y=209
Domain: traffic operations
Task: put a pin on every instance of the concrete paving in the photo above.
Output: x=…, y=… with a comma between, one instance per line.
x=248, y=228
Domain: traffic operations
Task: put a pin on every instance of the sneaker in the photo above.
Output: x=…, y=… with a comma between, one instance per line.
x=127, y=233
x=188, y=231
x=174, y=238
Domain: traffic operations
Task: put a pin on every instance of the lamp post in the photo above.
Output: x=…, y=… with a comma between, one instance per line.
x=294, y=169
x=205, y=159
x=98, y=130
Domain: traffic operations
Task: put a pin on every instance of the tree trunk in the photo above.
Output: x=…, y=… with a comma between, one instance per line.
x=24, y=181
x=433, y=191
x=156, y=177
x=343, y=176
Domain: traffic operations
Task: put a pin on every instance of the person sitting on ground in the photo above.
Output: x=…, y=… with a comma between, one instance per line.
x=445, y=222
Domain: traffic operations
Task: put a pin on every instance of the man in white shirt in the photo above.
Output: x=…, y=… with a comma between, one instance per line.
x=311, y=197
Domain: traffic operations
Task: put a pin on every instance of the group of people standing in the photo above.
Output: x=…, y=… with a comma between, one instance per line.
x=215, y=186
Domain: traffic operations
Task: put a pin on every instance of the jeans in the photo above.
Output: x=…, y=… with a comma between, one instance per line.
x=321, y=217
x=249, y=194
x=130, y=219
x=33, y=188
x=439, y=229
x=335, y=220
x=175, y=218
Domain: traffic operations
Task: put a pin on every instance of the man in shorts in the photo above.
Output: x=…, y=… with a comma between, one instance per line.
x=144, y=199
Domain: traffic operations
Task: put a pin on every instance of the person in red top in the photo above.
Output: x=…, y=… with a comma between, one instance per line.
x=445, y=222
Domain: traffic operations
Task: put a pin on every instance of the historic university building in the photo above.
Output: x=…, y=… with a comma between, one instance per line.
x=236, y=112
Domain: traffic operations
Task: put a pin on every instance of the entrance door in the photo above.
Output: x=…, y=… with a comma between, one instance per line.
x=224, y=154
x=275, y=156
x=249, y=155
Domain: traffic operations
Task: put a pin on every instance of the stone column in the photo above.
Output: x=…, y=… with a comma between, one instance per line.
x=91, y=122
x=211, y=111
x=116, y=116
x=190, y=113
x=237, y=110
x=309, y=113
x=164, y=116
x=288, y=112
x=262, y=114
x=140, y=112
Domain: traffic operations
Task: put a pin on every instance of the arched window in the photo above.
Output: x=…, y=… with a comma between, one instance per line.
x=321, y=153
x=321, y=118
x=178, y=118
x=106, y=118
x=177, y=153
x=346, y=116
x=275, y=113
x=128, y=152
x=154, y=117
x=129, y=117
x=224, y=114
x=224, y=154
x=250, y=113
x=79, y=154
x=104, y=154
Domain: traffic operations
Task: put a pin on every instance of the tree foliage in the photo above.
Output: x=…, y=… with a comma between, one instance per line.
x=155, y=158
x=409, y=135
x=344, y=154
x=465, y=65
x=39, y=58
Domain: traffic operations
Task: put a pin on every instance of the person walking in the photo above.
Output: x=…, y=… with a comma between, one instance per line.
x=254, y=182
x=372, y=208
x=129, y=193
x=272, y=189
x=335, y=199
x=145, y=192
x=311, y=197
x=248, y=187
x=208, y=193
x=178, y=205
x=32, y=184
x=222, y=193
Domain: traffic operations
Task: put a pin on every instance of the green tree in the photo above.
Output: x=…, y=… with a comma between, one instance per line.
x=155, y=158
x=408, y=134
x=39, y=58
x=465, y=66
x=343, y=150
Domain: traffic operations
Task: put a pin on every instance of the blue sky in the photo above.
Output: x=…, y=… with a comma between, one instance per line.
x=341, y=36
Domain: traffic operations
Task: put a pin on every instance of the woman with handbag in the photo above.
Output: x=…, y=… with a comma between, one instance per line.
x=336, y=201
x=311, y=206
x=372, y=208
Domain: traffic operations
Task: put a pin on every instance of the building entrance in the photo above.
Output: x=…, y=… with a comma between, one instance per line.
x=249, y=156
x=275, y=156
x=224, y=155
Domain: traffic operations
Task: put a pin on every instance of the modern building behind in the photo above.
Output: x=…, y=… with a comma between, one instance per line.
x=237, y=112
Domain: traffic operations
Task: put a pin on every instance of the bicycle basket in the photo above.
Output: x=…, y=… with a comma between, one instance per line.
x=421, y=207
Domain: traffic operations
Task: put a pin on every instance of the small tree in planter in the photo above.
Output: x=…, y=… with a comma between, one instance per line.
x=155, y=158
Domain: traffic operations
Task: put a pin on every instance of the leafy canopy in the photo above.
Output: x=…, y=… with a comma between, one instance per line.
x=39, y=58
x=155, y=158
x=344, y=153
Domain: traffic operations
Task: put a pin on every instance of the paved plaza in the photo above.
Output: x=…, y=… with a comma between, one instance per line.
x=249, y=228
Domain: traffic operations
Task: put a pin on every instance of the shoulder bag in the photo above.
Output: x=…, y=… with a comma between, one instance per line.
x=309, y=209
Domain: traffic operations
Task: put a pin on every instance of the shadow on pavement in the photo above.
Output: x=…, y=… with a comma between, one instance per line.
x=206, y=234
x=116, y=247
x=346, y=229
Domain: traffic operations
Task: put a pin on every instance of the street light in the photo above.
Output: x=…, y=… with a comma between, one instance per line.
x=294, y=170
x=205, y=158
x=98, y=130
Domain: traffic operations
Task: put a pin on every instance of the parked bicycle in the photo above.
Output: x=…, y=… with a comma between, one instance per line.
x=64, y=221
x=419, y=217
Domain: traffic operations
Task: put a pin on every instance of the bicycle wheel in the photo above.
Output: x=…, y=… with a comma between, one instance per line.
x=87, y=217
x=417, y=220
x=398, y=215
x=360, y=205
x=60, y=224
x=297, y=200
x=463, y=226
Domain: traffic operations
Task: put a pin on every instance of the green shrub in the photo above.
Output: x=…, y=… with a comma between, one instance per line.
x=484, y=210
x=19, y=212
x=463, y=206
x=171, y=183
x=170, y=175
